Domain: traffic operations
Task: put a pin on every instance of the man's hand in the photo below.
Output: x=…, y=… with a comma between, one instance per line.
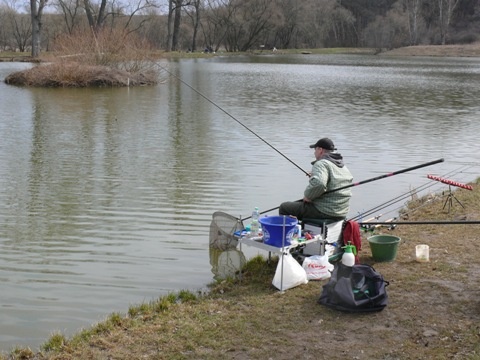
x=307, y=200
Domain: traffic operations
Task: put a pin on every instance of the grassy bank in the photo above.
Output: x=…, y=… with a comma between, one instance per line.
x=433, y=310
x=465, y=50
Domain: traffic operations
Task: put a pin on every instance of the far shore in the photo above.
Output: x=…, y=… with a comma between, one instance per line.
x=468, y=50
x=465, y=50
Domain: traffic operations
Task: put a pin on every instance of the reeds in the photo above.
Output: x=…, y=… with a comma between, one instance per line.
x=109, y=58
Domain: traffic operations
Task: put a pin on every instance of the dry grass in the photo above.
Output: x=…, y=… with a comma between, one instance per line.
x=73, y=74
x=110, y=58
x=111, y=48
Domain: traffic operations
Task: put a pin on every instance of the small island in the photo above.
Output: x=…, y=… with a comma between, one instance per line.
x=112, y=59
x=73, y=74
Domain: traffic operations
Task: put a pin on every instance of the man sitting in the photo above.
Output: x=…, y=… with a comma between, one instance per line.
x=328, y=173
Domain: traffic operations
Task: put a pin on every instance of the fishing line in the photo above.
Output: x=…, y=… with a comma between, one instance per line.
x=231, y=116
x=397, y=209
x=392, y=201
x=426, y=222
x=406, y=195
x=435, y=198
x=400, y=197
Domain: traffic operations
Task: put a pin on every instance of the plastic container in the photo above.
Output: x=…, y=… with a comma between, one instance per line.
x=254, y=225
x=348, y=257
x=384, y=247
x=275, y=227
x=422, y=253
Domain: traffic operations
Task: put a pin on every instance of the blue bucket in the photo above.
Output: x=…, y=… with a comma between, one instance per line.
x=275, y=226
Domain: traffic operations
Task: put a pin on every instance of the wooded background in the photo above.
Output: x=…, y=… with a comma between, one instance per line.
x=244, y=25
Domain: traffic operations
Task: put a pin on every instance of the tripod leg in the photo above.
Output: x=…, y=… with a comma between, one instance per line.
x=447, y=201
x=458, y=201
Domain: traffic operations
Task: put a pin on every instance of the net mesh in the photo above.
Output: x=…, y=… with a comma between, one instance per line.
x=222, y=230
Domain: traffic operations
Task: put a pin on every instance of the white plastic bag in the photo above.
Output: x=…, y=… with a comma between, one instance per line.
x=293, y=273
x=317, y=267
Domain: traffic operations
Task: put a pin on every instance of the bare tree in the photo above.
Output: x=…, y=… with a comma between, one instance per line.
x=3, y=28
x=169, y=25
x=328, y=25
x=175, y=15
x=21, y=28
x=96, y=16
x=413, y=8
x=247, y=21
x=193, y=12
x=16, y=28
x=340, y=28
x=53, y=27
x=133, y=14
x=389, y=30
x=287, y=23
x=242, y=25
x=155, y=29
x=71, y=11
x=36, y=14
x=176, y=23
x=214, y=22
x=446, y=9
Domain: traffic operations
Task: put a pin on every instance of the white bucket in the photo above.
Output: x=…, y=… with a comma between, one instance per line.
x=422, y=253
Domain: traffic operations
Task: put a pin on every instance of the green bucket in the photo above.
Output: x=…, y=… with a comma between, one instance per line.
x=384, y=247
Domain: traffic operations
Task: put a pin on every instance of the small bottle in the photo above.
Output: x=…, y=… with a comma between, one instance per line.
x=348, y=257
x=255, y=225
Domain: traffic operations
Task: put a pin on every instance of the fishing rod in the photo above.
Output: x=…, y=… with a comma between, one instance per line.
x=426, y=222
x=403, y=196
x=398, y=198
x=368, y=180
x=426, y=203
x=231, y=116
x=392, y=225
x=387, y=203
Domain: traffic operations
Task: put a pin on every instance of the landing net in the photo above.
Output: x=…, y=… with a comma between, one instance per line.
x=222, y=230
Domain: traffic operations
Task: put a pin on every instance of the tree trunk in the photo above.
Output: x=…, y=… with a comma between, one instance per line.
x=169, y=25
x=88, y=11
x=95, y=22
x=413, y=12
x=176, y=24
x=446, y=9
x=195, y=24
x=36, y=12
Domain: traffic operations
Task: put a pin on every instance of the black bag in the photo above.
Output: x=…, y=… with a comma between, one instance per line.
x=358, y=288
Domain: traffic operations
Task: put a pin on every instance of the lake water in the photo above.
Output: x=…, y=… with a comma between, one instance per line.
x=107, y=194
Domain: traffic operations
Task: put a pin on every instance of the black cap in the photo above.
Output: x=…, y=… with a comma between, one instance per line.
x=324, y=143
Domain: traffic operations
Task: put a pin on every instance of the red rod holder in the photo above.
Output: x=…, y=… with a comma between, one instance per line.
x=450, y=182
